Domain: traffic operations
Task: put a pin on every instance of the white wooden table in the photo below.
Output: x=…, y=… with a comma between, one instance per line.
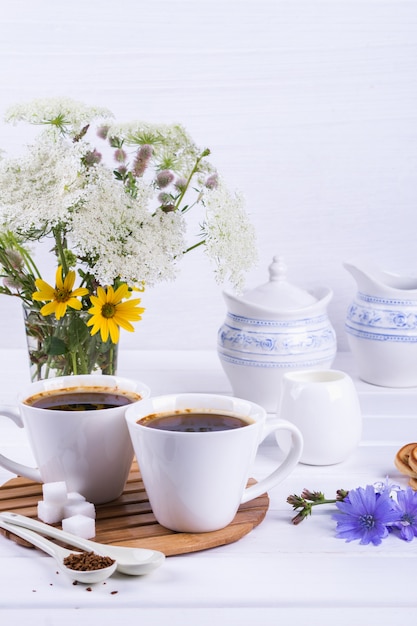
x=278, y=574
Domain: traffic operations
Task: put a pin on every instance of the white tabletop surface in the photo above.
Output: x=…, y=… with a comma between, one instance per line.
x=278, y=573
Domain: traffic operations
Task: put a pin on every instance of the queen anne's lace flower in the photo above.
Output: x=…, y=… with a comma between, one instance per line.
x=61, y=113
x=122, y=238
x=40, y=189
x=113, y=222
x=228, y=234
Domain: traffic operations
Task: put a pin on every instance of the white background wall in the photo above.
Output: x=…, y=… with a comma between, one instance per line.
x=309, y=108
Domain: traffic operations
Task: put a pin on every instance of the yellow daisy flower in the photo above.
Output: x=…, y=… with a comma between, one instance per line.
x=61, y=296
x=109, y=312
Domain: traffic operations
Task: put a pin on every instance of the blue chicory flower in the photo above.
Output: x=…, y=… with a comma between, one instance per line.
x=388, y=486
x=366, y=515
x=407, y=507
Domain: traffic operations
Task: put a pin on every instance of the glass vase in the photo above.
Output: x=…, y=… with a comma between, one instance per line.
x=66, y=346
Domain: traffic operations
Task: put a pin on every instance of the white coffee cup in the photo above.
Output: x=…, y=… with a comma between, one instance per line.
x=196, y=481
x=88, y=449
x=324, y=405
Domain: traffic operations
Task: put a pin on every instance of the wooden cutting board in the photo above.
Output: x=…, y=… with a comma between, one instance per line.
x=129, y=520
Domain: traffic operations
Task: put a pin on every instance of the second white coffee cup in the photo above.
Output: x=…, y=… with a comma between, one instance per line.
x=196, y=479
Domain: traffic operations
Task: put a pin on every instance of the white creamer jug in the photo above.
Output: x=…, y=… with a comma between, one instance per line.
x=381, y=324
x=270, y=330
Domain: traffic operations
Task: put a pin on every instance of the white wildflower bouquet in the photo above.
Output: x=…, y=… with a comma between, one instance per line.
x=116, y=220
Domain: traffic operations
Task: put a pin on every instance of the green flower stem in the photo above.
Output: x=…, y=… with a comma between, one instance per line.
x=205, y=153
x=188, y=207
x=60, y=250
x=110, y=369
x=74, y=362
x=48, y=365
x=47, y=372
x=30, y=263
x=73, y=356
x=308, y=499
x=60, y=330
x=196, y=245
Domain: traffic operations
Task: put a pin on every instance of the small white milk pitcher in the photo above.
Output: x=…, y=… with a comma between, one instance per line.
x=324, y=405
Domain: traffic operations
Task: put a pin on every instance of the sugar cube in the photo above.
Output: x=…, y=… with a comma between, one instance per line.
x=80, y=525
x=81, y=507
x=74, y=496
x=50, y=513
x=55, y=493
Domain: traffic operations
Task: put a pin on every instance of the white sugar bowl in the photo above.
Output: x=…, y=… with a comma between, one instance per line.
x=273, y=329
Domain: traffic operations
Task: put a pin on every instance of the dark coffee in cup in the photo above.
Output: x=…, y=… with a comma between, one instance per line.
x=194, y=421
x=82, y=399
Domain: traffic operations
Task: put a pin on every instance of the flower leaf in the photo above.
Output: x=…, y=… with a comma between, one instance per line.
x=55, y=346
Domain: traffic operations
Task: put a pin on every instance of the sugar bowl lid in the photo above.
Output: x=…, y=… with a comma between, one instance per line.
x=278, y=294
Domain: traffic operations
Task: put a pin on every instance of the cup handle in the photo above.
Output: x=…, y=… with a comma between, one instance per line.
x=13, y=466
x=287, y=465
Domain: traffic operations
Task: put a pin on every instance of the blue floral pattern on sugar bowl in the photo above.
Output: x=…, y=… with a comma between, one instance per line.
x=274, y=328
x=381, y=324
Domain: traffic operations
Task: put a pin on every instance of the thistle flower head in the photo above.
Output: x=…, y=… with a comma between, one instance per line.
x=141, y=161
x=164, y=178
x=123, y=170
x=102, y=131
x=120, y=155
x=212, y=181
x=11, y=283
x=181, y=183
x=92, y=158
x=15, y=259
x=145, y=151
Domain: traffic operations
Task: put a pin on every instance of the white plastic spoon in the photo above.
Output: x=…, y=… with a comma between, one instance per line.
x=131, y=561
x=59, y=554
